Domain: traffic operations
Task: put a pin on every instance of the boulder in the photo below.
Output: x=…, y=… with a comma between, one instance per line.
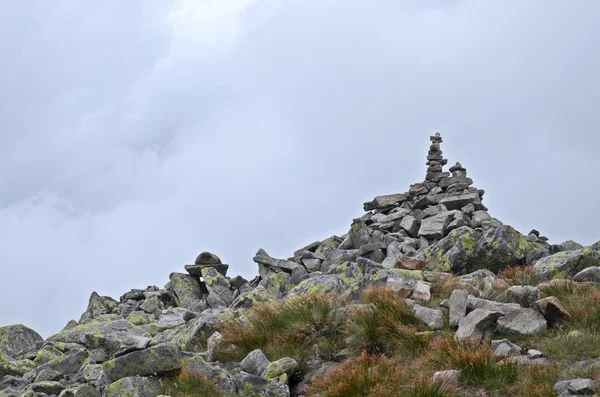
x=407, y=262
x=505, y=348
x=503, y=308
x=217, y=284
x=134, y=386
x=457, y=304
x=590, y=274
x=18, y=339
x=524, y=295
x=385, y=201
x=464, y=250
x=523, y=321
x=477, y=325
x=411, y=225
x=186, y=290
x=281, y=369
x=435, y=227
x=263, y=258
x=359, y=233
x=255, y=362
x=552, y=309
x=97, y=306
x=566, y=264
x=433, y=318
x=161, y=359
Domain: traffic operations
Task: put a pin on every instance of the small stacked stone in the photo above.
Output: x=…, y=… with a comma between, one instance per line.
x=204, y=260
x=458, y=181
x=435, y=160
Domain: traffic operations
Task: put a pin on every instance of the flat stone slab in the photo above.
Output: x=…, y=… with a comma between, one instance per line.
x=196, y=270
x=522, y=322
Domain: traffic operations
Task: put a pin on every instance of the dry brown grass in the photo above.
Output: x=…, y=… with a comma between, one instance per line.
x=519, y=275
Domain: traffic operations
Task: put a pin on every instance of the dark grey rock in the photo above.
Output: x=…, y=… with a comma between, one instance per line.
x=161, y=359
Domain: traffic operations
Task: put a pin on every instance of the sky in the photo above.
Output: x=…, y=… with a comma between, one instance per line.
x=135, y=135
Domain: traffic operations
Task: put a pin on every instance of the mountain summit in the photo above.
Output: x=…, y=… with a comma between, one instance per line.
x=426, y=294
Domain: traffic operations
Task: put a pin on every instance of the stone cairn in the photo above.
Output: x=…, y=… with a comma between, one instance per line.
x=435, y=160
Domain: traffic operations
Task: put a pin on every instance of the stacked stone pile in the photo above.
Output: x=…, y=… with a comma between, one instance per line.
x=405, y=241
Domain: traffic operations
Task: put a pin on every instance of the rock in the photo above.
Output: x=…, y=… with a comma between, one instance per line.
x=533, y=354
x=18, y=339
x=393, y=253
x=252, y=385
x=218, y=285
x=590, y=274
x=524, y=295
x=464, y=250
x=156, y=360
x=206, y=259
x=407, y=262
x=186, y=291
x=309, y=248
x=421, y=292
x=411, y=225
x=433, y=210
x=570, y=245
x=359, y=234
x=255, y=362
x=211, y=345
x=97, y=306
x=505, y=348
x=298, y=274
x=263, y=258
x=366, y=249
x=536, y=254
x=386, y=201
x=575, y=387
x=457, y=304
x=281, y=369
x=433, y=318
x=479, y=217
x=503, y=308
x=320, y=283
x=552, y=309
x=47, y=387
x=522, y=322
x=477, y=325
x=151, y=305
x=456, y=202
x=134, y=386
x=435, y=226
x=566, y=264
x=449, y=378
x=80, y=391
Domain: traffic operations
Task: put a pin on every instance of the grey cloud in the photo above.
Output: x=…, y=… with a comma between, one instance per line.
x=129, y=144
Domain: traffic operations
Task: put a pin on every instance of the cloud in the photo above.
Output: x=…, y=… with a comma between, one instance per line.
x=136, y=136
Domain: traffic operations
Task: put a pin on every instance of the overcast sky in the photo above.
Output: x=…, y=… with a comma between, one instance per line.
x=136, y=134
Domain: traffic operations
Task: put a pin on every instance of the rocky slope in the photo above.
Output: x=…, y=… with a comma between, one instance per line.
x=408, y=243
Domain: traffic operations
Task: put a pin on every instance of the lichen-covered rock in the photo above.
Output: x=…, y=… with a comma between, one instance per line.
x=160, y=359
x=186, y=291
x=359, y=233
x=265, y=259
x=435, y=226
x=566, y=264
x=465, y=250
x=134, y=386
x=97, y=306
x=218, y=285
x=253, y=385
x=318, y=283
x=281, y=369
x=47, y=387
x=17, y=339
x=81, y=391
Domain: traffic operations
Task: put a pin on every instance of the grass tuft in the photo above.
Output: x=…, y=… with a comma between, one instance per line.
x=187, y=384
x=290, y=328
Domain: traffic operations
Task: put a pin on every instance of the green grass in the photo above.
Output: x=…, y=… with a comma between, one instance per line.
x=286, y=329
x=192, y=385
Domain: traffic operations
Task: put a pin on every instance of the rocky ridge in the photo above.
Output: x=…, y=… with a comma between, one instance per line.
x=407, y=241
